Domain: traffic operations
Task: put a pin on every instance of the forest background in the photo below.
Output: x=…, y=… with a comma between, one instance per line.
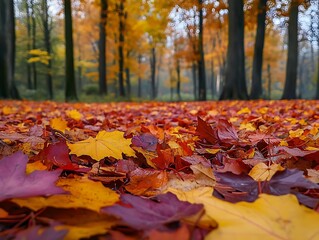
x=106, y=50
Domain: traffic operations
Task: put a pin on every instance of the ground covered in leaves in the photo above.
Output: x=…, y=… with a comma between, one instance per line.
x=213, y=170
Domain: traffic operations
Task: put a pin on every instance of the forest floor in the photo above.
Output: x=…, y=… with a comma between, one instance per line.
x=185, y=170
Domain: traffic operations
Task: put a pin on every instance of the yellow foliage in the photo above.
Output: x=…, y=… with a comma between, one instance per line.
x=262, y=172
x=105, y=144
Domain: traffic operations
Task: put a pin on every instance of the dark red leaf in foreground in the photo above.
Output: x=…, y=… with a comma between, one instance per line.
x=145, y=214
x=206, y=131
x=235, y=188
x=14, y=182
x=146, y=141
x=38, y=233
x=58, y=155
x=226, y=132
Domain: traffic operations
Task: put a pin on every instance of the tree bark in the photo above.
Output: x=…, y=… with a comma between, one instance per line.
x=153, y=73
x=178, y=83
x=235, y=81
x=7, y=50
x=201, y=60
x=102, y=48
x=34, y=44
x=47, y=41
x=121, y=48
x=29, y=80
x=194, y=77
x=292, y=60
x=70, y=88
x=256, y=89
x=139, y=86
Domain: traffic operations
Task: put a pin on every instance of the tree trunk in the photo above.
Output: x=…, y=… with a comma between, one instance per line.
x=269, y=81
x=7, y=50
x=34, y=44
x=194, y=76
x=121, y=46
x=235, y=81
x=256, y=89
x=70, y=88
x=153, y=73
x=178, y=83
x=292, y=61
x=47, y=41
x=29, y=80
x=102, y=48
x=128, y=82
x=317, y=92
x=201, y=60
x=139, y=87
x=213, y=80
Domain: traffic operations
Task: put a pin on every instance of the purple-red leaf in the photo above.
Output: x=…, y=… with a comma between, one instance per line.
x=235, y=188
x=14, y=182
x=226, y=132
x=155, y=213
x=38, y=233
x=146, y=141
x=204, y=130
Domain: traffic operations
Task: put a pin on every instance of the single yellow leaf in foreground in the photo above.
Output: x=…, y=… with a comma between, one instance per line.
x=59, y=124
x=105, y=144
x=262, y=172
x=269, y=217
x=75, y=114
x=84, y=193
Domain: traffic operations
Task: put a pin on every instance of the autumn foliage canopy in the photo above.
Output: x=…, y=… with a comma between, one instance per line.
x=213, y=170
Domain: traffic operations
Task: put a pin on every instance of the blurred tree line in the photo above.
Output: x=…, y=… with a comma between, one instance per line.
x=170, y=50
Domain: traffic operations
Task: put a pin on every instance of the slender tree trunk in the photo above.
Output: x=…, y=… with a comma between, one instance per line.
x=70, y=88
x=292, y=61
x=269, y=81
x=194, y=77
x=139, y=87
x=235, y=81
x=121, y=48
x=7, y=50
x=201, y=60
x=102, y=48
x=153, y=73
x=29, y=80
x=213, y=80
x=47, y=40
x=178, y=83
x=256, y=89
x=128, y=81
x=34, y=44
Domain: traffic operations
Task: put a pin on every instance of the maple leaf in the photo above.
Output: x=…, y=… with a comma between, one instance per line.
x=155, y=213
x=204, y=130
x=236, y=188
x=226, y=132
x=84, y=193
x=269, y=217
x=105, y=144
x=262, y=172
x=147, y=141
x=15, y=183
x=59, y=124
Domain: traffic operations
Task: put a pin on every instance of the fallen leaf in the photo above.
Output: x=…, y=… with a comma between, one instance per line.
x=3, y=213
x=40, y=233
x=156, y=213
x=59, y=124
x=105, y=144
x=313, y=175
x=84, y=193
x=15, y=183
x=147, y=141
x=74, y=114
x=269, y=217
x=146, y=182
x=262, y=172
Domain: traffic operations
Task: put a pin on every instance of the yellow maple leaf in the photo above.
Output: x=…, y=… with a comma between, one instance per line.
x=269, y=217
x=296, y=133
x=262, y=172
x=247, y=126
x=244, y=110
x=6, y=110
x=75, y=114
x=84, y=193
x=105, y=144
x=59, y=124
